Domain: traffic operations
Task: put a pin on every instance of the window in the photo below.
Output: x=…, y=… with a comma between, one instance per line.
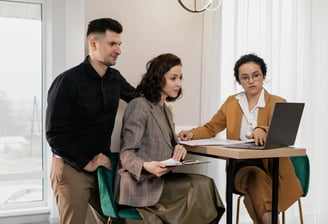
x=21, y=141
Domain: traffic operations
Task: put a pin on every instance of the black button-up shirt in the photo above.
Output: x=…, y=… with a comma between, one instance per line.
x=81, y=112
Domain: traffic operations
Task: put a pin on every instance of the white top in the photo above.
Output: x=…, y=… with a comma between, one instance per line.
x=249, y=119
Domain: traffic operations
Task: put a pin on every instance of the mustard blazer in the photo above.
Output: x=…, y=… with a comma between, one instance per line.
x=145, y=137
x=229, y=117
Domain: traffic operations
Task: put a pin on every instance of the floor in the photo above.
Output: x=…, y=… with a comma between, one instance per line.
x=129, y=222
x=39, y=223
x=90, y=219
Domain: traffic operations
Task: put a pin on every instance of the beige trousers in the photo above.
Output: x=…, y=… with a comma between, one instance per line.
x=74, y=192
x=256, y=186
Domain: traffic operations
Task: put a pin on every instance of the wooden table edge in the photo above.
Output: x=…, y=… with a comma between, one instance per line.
x=223, y=152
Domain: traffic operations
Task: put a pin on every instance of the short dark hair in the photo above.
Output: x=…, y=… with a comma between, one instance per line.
x=249, y=58
x=103, y=24
x=153, y=80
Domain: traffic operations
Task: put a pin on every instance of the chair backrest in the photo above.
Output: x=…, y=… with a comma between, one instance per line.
x=106, y=186
x=302, y=170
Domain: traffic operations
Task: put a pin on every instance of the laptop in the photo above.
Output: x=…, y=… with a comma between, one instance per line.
x=283, y=127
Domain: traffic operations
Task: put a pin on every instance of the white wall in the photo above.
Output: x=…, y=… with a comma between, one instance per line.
x=151, y=28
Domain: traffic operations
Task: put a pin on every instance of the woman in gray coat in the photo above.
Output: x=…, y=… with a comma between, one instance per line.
x=148, y=137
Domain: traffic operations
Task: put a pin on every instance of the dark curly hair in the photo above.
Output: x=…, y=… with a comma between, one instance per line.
x=246, y=59
x=153, y=80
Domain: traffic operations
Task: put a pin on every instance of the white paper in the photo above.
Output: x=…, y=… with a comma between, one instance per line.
x=210, y=141
x=172, y=162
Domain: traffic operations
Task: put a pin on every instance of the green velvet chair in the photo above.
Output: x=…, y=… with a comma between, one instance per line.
x=106, y=186
x=302, y=170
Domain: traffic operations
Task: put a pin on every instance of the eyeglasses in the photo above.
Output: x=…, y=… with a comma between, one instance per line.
x=254, y=77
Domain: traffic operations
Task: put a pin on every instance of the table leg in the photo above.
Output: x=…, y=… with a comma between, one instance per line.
x=275, y=182
x=229, y=189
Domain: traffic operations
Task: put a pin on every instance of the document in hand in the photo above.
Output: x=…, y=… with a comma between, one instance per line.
x=172, y=162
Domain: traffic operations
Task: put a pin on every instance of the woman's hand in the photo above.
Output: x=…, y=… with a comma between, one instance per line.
x=259, y=136
x=156, y=168
x=185, y=135
x=179, y=153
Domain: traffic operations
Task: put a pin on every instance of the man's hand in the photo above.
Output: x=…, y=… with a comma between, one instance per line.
x=156, y=168
x=98, y=160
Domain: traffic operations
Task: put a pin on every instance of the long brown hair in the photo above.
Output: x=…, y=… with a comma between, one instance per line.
x=153, y=80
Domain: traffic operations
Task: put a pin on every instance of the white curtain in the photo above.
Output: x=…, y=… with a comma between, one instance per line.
x=292, y=37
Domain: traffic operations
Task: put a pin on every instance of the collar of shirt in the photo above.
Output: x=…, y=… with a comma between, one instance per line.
x=249, y=119
x=92, y=72
x=242, y=99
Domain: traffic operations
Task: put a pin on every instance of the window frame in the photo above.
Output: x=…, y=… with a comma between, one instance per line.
x=29, y=207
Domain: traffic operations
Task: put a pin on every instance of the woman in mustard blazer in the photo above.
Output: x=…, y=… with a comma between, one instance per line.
x=247, y=115
x=148, y=137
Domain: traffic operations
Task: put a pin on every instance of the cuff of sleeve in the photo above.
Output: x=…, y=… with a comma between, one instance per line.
x=263, y=128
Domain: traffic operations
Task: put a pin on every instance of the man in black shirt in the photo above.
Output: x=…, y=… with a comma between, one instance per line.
x=81, y=110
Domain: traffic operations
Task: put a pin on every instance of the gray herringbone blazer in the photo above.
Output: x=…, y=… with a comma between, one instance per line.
x=145, y=137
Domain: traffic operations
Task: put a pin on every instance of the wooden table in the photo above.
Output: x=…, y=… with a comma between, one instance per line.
x=231, y=154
